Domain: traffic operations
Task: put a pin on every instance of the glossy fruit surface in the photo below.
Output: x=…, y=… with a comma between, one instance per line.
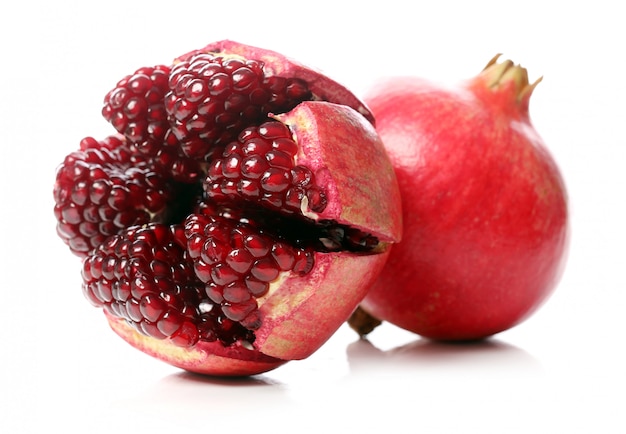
x=484, y=206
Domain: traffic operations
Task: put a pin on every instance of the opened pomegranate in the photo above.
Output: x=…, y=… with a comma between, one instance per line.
x=484, y=207
x=238, y=214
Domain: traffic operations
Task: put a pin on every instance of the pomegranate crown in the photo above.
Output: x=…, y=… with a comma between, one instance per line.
x=500, y=74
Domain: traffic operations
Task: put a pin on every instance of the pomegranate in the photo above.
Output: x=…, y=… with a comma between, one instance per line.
x=237, y=215
x=484, y=206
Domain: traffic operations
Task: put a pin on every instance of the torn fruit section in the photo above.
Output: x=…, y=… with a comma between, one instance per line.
x=265, y=249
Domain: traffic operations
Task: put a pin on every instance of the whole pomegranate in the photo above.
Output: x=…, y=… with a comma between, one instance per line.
x=237, y=215
x=484, y=207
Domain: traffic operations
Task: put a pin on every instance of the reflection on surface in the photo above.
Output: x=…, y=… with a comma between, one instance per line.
x=184, y=379
x=179, y=396
x=345, y=376
x=487, y=356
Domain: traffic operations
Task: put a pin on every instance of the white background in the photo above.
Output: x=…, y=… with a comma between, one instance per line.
x=562, y=371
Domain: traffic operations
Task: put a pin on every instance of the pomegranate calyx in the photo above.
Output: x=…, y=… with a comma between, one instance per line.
x=500, y=75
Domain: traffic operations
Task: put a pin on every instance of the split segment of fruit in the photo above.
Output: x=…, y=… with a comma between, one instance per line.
x=240, y=215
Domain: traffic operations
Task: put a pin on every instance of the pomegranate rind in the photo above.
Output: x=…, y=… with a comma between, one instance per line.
x=207, y=358
x=323, y=87
x=348, y=158
x=306, y=311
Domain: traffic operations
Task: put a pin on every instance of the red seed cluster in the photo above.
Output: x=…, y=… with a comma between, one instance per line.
x=136, y=108
x=145, y=277
x=260, y=167
x=104, y=188
x=238, y=262
x=212, y=98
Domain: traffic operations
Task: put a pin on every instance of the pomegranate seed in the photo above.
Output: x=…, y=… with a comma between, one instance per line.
x=253, y=166
x=265, y=270
x=280, y=159
x=257, y=245
x=151, y=307
x=232, y=167
x=275, y=180
x=301, y=176
x=249, y=188
x=222, y=274
x=317, y=199
x=256, y=287
x=169, y=323
x=187, y=335
x=304, y=262
x=238, y=311
x=239, y=260
x=253, y=146
x=284, y=256
x=236, y=293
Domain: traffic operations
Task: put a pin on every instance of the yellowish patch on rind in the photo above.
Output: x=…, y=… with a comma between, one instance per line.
x=209, y=358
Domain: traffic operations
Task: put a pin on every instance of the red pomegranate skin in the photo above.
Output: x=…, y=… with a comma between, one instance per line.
x=484, y=206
